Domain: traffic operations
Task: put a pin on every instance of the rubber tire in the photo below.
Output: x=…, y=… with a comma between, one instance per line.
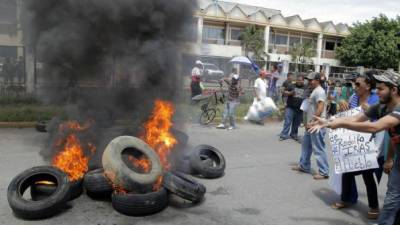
x=120, y=174
x=41, y=126
x=76, y=189
x=28, y=209
x=183, y=165
x=181, y=137
x=203, y=167
x=96, y=184
x=140, y=204
x=184, y=186
x=42, y=191
x=208, y=116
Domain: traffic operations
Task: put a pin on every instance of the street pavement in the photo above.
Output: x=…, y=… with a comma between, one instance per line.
x=258, y=187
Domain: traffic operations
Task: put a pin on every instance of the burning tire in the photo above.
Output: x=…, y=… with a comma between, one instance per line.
x=96, y=184
x=42, y=190
x=46, y=207
x=181, y=137
x=184, y=186
x=208, y=161
x=140, y=204
x=122, y=173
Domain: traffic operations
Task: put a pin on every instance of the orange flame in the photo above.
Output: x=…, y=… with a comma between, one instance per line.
x=142, y=163
x=158, y=183
x=157, y=131
x=71, y=158
x=45, y=182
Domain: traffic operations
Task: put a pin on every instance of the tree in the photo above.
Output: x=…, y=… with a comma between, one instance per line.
x=301, y=53
x=372, y=44
x=253, y=41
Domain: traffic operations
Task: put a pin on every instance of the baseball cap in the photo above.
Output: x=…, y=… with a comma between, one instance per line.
x=313, y=76
x=389, y=77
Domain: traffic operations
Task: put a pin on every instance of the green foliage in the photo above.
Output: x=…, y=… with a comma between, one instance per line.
x=28, y=113
x=253, y=41
x=301, y=53
x=372, y=44
x=13, y=100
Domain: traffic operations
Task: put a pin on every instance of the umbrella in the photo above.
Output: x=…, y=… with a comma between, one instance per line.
x=241, y=60
x=245, y=61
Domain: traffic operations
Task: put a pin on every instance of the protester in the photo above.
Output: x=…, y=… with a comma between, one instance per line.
x=289, y=81
x=314, y=142
x=331, y=95
x=293, y=114
x=233, y=100
x=197, y=72
x=387, y=117
x=364, y=97
x=260, y=92
x=273, y=90
x=347, y=91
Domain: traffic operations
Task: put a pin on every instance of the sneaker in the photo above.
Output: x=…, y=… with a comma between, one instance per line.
x=231, y=128
x=295, y=138
x=320, y=177
x=221, y=126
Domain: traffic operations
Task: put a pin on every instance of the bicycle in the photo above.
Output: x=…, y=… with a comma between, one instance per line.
x=209, y=109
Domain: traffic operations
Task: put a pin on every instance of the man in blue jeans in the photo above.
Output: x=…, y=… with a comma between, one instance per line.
x=293, y=114
x=386, y=116
x=314, y=142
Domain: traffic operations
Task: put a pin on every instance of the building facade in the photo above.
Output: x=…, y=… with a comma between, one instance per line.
x=219, y=25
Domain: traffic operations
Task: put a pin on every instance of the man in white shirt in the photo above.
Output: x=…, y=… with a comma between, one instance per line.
x=261, y=86
x=197, y=71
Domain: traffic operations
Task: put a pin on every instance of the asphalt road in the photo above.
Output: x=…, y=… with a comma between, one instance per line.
x=258, y=188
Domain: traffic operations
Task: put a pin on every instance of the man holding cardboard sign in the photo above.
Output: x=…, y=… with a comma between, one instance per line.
x=387, y=116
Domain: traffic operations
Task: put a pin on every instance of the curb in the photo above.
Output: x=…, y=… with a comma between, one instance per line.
x=17, y=124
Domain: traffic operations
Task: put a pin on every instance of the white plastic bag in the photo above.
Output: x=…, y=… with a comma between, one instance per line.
x=260, y=110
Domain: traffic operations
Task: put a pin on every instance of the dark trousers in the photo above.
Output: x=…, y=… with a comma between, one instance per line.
x=348, y=183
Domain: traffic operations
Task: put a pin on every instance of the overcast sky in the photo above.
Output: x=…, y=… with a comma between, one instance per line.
x=339, y=11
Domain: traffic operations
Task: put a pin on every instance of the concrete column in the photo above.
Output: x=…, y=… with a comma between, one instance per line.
x=199, y=30
x=266, y=38
x=30, y=71
x=227, y=33
x=319, y=52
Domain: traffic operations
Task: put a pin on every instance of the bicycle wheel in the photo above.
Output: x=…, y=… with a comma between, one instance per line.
x=207, y=116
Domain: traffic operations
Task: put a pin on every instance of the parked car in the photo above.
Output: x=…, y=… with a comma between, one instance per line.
x=212, y=72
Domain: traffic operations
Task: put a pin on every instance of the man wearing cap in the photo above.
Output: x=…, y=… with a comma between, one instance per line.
x=197, y=71
x=314, y=142
x=385, y=116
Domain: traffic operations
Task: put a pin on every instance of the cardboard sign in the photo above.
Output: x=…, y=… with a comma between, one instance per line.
x=351, y=150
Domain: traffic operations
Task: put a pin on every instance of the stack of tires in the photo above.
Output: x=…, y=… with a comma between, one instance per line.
x=132, y=192
x=139, y=197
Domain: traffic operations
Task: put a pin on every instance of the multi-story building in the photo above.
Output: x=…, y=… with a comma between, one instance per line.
x=10, y=30
x=219, y=25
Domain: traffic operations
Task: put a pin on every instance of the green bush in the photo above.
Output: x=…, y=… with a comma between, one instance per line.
x=22, y=100
x=28, y=113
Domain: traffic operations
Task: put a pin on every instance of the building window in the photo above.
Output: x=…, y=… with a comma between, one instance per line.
x=281, y=39
x=8, y=51
x=294, y=40
x=235, y=34
x=329, y=45
x=213, y=34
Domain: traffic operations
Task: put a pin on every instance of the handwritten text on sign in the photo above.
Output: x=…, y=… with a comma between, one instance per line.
x=351, y=150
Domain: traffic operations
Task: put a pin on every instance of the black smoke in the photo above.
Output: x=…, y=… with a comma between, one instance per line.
x=107, y=60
